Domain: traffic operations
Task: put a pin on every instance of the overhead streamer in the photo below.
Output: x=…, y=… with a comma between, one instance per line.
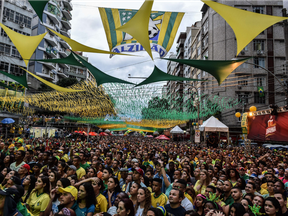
x=158, y=75
x=20, y=79
x=78, y=47
x=100, y=76
x=52, y=85
x=137, y=26
x=219, y=69
x=69, y=60
x=26, y=45
x=38, y=7
x=162, y=30
x=245, y=24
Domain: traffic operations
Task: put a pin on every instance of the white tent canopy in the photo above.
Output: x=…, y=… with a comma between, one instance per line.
x=213, y=125
x=177, y=130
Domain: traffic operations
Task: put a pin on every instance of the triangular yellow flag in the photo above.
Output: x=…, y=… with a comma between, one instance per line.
x=25, y=45
x=52, y=85
x=138, y=26
x=78, y=47
x=245, y=24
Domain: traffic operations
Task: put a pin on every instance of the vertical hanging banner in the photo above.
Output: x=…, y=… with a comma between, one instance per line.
x=162, y=30
x=197, y=136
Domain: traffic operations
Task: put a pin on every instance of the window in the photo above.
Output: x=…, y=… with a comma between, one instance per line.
x=15, y=52
x=199, y=37
x=4, y=66
x=199, y=76
x=258, y=9
x=243, y=97
x=16, y=70
x=20, y=18
x=5, y=48
x=243, y=82
x=259, y=62
x=9, y=14
x=260, y=81
x=258, y=45
x=258, y=99
x=199, y=51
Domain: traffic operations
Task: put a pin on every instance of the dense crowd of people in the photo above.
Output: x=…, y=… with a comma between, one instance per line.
x=137, y=176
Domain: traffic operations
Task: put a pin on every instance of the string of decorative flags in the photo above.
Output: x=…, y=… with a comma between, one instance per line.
x=129, y=31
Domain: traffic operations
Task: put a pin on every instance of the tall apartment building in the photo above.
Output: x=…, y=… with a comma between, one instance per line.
x=17, y=15
x=216, y=41
x=57, y=17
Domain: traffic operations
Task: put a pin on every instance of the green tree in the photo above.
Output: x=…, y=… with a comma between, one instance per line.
x=65, y=82
x=155, y=107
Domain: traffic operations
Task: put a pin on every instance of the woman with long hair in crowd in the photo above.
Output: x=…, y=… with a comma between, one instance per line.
x=8, y=160
x=39, y=197
x=236, y=209
x=143, y=202
x=54, y=176
x=232, y=176
x=272, y=207
x=29, y=185
x=5, y=171
x=125, y=208
x=113, y=189
x=8, y=176
x=62, y=168
x=86, y=199
x=246, y=203
x=133, y=192
x=200, y=186
x=199, y=204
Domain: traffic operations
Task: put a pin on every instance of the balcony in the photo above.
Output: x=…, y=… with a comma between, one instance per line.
x=53, y=17
x=65, y=66
x=55, y=3
x=51, y=26
x=51, y=40
x=64, y=53
x=61, y=73
x=64, y=44
x=52, y=51
x=66, y=23
x=65, y=32
x=46, y=75
x=51, y=66
x=67, y=4
x=67, y=13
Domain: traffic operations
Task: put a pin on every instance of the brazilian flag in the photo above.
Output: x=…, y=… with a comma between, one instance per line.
x=261, y=91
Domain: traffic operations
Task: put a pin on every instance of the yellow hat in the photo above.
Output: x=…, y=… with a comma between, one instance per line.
x=70, y=189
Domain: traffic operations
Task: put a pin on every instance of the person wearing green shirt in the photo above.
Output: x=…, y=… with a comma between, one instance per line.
x=227, y=199
x=83, y=158
x=243, y=174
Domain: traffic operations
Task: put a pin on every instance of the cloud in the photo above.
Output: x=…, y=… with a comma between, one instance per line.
x=87, y=28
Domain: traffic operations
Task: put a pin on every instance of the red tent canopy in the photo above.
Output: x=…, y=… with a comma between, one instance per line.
x=162, y=137
x=76, y=131
x=103, y=134
x=92, y=134
x=149, y=136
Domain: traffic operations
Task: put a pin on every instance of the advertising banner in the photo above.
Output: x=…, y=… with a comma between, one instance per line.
x=268, y=127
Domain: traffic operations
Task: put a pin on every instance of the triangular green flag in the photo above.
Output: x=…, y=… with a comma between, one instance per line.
x=158, y=75
x=261, y=91
x=219, y=69
x=69, y=60
x=20, y=79
x=100, y=76
x=38, y=7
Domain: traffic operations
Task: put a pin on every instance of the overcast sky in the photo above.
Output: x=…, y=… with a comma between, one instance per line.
x=87, y=28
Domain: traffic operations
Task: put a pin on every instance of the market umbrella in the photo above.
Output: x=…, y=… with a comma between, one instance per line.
x=7, y=121
x=103, y=134
x=162, y=137
x=149, y=136
x=92, y=134
x=107, y=131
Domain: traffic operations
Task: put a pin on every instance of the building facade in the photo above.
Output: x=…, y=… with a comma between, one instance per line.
x=17, y=15
x=56, y=16
x=267, y=50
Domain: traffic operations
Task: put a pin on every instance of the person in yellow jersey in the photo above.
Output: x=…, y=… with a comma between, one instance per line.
x=157, y=197
x=80, y=172
x=39, y=197
x=116, y=170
